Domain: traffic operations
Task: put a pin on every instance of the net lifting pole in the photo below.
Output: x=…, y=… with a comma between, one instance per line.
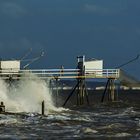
x=33, y=60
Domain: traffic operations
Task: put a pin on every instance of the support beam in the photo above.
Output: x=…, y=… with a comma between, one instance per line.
x=71, y=94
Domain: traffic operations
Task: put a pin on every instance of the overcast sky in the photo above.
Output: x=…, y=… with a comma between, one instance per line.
x=63, y=29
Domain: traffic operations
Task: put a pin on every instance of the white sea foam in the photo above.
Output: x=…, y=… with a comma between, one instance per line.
x=89, y=130
x=7, y=120
x=122, y=135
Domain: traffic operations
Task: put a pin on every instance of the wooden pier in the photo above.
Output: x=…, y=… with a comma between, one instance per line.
x=93, y=69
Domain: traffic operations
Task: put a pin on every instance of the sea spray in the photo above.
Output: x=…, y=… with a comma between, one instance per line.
x=26, y=95
x=3, y=91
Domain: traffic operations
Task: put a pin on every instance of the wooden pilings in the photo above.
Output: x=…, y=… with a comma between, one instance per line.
x=110, y=90
x=82, y=92
x=80, y=87
x=111, y=93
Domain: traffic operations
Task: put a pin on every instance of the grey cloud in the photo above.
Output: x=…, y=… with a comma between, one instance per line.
x=12, y=9
x=96, y=9
x=137, y=30
x=105, y=10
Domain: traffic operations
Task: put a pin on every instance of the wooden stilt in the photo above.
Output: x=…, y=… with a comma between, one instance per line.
x=43, y=108
x=86, y=94
x=111, y=93
x=56, y=91
x=110, y=89
x=106, y=87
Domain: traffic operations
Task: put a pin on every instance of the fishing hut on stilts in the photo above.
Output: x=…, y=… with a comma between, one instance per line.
x=93, y=69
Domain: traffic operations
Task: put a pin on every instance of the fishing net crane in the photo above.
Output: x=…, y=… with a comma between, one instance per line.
x=30, y=61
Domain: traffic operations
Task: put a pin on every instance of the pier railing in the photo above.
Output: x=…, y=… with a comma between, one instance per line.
x=102, y=73
x=60, y=73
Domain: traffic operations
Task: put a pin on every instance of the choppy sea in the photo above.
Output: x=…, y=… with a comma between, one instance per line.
x=109, y=121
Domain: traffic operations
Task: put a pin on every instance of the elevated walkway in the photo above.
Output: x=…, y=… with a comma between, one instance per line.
x=124, y=78
x=61, y=73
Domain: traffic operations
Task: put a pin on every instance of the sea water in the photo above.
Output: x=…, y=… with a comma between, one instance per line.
x=98, y=121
